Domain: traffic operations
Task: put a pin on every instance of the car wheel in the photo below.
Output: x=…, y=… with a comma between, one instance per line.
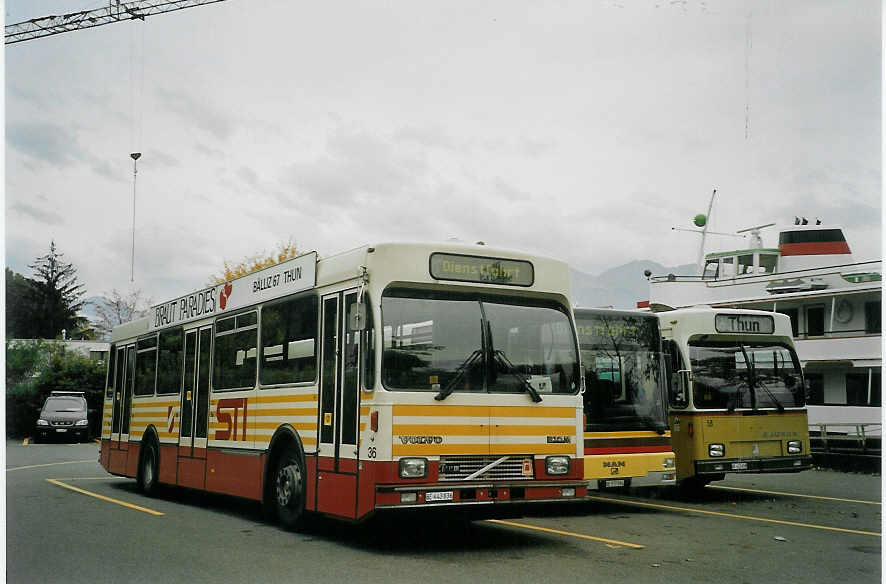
x=147, y=474
x=289, y=490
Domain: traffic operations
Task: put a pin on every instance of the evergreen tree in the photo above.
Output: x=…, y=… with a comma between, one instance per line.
x=19, y=294
x=55, y=297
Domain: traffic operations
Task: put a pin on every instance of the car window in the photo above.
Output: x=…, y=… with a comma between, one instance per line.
x=64, y=404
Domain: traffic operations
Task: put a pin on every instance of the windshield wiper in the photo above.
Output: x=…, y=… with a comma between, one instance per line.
x=459, y=373
x=752, y=376
x=771, y=395
x=503, y=360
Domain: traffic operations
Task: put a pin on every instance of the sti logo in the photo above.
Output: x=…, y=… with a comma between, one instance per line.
x=171, y=415
x=224, y=295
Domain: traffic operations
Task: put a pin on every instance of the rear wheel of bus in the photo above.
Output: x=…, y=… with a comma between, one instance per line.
x=147, y=474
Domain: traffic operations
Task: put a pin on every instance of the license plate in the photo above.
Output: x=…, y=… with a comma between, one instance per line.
x=61, y=429
x=438, y=496
x=739, y=466
x=614, y=483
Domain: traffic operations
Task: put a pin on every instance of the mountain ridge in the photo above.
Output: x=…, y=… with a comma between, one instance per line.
x=619, y=287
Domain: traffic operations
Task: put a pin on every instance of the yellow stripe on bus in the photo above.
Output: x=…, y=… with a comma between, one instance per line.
x=483, y=448
x=283, y=412
x=480, y=429
x=282, y=399
x=483, y=411
x=275, y=425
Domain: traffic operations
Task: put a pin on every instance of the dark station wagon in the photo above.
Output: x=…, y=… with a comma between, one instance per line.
x=63, y=417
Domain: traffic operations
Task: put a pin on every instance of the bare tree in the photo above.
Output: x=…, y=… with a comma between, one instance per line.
x=115, y=309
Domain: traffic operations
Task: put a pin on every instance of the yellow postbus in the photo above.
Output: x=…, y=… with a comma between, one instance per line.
x=737, y=397
x=391, y=376
x=627, y=442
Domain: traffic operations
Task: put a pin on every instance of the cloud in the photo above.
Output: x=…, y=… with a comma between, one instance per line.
x=200, y=114
x=54, y=145
x=47, y=142
x=37, y=214
x=356, y=164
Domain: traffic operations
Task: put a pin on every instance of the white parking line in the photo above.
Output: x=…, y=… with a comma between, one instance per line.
x=50, y=464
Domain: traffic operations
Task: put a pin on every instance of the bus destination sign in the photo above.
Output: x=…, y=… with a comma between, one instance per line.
x=744, y=323
x=466, y=268
x=289, y=277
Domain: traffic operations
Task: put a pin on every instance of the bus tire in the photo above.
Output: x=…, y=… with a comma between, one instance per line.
x=695, y=485
x=288, y=490
x=147, y=468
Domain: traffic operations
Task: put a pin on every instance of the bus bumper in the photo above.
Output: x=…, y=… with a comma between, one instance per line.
x=651, y=479
x=450, y=495
x=753, y=465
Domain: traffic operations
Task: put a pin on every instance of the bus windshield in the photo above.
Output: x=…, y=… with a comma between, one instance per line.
x=624, y=372
x=453, y=343
x=745, y=375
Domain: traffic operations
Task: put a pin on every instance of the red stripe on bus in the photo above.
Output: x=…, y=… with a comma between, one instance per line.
x=628, y=450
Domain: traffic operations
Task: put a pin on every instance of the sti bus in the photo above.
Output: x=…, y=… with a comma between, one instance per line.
x=737, y=400
x=627, y=442
x=390, y=376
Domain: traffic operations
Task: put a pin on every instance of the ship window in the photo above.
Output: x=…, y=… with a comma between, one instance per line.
x=857, y=389
x=794, y=315
x=728, y=268
x=814, y=389
x=745, y=264
x=811, y=236
x=711, y=269
x=872, y=318
x=815, y=321
x=767, y=263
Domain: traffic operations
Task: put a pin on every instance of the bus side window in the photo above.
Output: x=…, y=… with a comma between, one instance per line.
x=678, y=376
x=368, y=353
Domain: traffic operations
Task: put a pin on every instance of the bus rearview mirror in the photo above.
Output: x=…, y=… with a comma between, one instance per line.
x=357, y=317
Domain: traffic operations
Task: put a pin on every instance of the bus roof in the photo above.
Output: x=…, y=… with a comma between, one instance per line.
x=703, y=320
x=408, y=262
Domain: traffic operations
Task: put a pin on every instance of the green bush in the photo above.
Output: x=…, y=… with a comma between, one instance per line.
x=33, y=370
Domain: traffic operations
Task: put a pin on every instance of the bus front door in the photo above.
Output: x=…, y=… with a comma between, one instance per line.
x=336, y=488
x=194, y=409
x=125, y=377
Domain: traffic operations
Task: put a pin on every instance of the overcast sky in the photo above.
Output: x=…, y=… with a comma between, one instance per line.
x=581, y=130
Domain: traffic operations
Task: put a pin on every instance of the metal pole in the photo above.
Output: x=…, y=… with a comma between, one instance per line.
x=135, y=156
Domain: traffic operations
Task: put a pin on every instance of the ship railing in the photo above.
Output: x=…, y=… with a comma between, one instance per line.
x=872, y=265
x=859, y=439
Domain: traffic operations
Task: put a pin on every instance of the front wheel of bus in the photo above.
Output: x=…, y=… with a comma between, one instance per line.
x=289, y=491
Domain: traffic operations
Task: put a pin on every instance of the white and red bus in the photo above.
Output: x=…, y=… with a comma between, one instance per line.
x=398, y=375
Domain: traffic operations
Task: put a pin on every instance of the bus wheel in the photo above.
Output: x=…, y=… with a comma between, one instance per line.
x=694, y=485
x=147, y=472
x=289, y=490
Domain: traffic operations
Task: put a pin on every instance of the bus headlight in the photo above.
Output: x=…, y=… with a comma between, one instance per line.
x=557, y=465
x=716, y=450
x=668, y=463
x=795, y=447
x=413, y=468
x=42, y=422
x=82, y=423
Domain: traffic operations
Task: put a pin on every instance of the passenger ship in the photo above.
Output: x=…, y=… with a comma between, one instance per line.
x=834, y=303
